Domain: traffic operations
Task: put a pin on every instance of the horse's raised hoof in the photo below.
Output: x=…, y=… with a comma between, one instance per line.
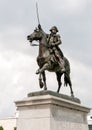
x=37, y=72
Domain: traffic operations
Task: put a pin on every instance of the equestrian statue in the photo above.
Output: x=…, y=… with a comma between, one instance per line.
x=50, y=57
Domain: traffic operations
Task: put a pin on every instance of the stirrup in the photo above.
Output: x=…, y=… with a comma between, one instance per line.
x=63, y=70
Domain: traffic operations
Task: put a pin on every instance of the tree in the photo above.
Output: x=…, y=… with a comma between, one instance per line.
x=1, y=128
x=15, y=128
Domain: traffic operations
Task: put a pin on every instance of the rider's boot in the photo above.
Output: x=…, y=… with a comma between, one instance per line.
x=62, y=68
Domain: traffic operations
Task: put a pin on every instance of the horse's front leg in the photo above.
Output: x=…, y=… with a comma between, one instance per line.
x=40, y=81
x=44, y=80
x=41, y=70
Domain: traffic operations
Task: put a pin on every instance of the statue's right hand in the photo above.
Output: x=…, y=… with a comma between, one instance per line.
x=39, y=26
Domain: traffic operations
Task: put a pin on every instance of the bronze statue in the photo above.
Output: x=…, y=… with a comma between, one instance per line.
x=50, y=57
x=54, y=41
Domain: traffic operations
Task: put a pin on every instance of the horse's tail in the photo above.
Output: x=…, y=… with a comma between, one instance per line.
x=67, y=80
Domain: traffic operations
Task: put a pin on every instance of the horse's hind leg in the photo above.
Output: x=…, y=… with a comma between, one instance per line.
x=70, y=84
x=72, y=94
x=58, y=74
x=44, y=79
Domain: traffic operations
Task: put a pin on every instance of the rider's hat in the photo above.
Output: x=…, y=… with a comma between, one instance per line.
x=54, y=28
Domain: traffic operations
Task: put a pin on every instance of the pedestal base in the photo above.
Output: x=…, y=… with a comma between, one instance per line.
x=47, y=110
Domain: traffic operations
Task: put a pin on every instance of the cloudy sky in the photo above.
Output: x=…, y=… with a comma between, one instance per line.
x=18, y=59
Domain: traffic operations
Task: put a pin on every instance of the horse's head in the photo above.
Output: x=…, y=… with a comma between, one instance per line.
x=36, y=35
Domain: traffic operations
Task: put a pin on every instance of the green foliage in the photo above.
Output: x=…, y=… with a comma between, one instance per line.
x=15, y=128
x=1, y=128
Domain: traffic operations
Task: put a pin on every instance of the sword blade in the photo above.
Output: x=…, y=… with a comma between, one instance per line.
x=37, y=13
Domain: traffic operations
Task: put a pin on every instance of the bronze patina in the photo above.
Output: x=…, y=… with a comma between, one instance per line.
x=50, y=57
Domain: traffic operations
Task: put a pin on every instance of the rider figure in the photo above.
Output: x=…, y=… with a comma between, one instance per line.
x=54, y=41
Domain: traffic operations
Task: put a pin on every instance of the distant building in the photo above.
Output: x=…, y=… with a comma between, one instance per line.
x=90, y=122
x=8, y=123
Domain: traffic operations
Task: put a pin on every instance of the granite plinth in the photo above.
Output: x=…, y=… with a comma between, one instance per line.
x=48, y=92
x=47, y=110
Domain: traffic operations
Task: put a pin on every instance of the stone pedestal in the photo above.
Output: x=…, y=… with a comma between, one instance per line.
x=47, y=110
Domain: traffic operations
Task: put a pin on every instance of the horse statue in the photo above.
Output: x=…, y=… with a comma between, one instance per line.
x=45, y=63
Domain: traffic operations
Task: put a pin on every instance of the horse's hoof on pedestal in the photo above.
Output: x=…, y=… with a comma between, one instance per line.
x=45, y=89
